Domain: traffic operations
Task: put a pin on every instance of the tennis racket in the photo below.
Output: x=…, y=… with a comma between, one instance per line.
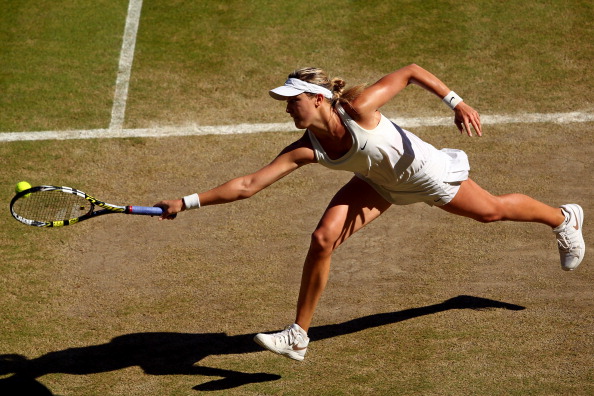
x=51, y=206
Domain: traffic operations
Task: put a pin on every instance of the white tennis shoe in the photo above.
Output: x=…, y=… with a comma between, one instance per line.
x=291, y=342
x=569, y=237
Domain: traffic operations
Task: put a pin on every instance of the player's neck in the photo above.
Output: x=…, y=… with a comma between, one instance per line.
x=328, y=126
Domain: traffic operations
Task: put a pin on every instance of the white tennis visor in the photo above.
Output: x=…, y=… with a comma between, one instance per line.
x=295, y=86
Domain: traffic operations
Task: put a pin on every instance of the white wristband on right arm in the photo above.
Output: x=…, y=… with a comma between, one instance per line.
x=452, y=100
x=191, y=201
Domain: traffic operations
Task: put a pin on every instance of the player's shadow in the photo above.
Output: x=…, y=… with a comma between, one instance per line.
x=178, y=353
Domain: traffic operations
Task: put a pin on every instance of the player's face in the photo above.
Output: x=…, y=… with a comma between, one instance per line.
x=302, y=109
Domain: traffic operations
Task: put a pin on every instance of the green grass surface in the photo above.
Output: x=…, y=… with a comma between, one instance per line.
x=58, y=63
x=212, y=63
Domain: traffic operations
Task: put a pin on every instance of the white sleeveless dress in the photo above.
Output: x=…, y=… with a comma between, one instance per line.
x=400, y=166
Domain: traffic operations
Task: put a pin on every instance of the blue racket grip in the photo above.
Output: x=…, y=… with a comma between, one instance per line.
x=144, y=210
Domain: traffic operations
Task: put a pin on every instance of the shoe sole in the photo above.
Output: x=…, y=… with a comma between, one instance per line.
x=288, y=354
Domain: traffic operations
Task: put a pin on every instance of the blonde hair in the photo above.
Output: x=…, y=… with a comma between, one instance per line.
x=336, y=85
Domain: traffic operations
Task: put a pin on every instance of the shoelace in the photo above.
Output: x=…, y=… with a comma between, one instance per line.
x=564, y=241
x=287, y=337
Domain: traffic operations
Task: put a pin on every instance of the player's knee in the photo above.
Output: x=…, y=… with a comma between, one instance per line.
x=492, y=214
x=489, y=218
x=323, y=240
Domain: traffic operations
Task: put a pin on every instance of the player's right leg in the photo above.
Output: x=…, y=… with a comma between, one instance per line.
x=354, y=206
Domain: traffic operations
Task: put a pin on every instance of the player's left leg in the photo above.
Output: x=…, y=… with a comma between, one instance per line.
x=475, y=202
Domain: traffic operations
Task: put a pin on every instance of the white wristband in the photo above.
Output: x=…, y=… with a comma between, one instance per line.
x=191, y=201
x=452, y=100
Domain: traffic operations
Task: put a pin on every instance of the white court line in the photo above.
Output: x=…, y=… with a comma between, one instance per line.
x=193, y=130
x=120, y=97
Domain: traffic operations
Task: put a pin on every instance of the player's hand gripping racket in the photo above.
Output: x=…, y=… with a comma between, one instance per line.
x=51, y=206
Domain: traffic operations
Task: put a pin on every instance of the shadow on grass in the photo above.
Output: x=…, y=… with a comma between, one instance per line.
x=177, y=353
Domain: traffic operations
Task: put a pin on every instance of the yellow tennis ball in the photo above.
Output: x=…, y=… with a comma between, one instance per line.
x=22, y=186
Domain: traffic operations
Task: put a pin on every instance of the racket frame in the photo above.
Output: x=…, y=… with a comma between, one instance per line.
x=106, y=208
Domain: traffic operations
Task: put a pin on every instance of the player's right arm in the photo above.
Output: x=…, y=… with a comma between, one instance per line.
x=291, y=158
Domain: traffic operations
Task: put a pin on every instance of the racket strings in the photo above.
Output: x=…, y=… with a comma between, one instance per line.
x=48, y=206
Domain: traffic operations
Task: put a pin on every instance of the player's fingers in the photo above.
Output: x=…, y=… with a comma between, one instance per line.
x=167, y=213
x=475, y=121
x=463, y=125
x=467, y=119
x=459, y=125
x=467, y=128
x=168, y=216
x=477, y=127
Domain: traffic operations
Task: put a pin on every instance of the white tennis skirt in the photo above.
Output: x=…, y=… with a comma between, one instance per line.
x=436, y=184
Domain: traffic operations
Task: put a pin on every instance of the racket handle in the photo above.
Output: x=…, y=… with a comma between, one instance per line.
x=144, y=210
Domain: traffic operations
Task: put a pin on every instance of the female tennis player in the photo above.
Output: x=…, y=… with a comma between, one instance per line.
x=346, y=131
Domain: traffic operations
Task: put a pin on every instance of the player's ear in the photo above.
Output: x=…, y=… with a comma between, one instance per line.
x=319, y=99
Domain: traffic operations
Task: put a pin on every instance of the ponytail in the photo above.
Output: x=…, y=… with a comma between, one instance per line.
x=319, y=77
